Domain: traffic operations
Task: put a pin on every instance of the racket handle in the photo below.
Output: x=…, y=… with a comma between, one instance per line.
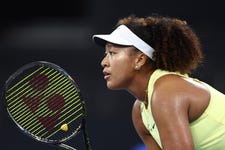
x=87, y=140
x=85, y=131
x=66, y=147
x=86, y=136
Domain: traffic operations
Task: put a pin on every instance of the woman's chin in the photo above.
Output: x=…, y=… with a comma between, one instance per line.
x=113, y=87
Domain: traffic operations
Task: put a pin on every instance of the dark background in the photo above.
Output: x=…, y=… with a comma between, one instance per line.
x=60, y=32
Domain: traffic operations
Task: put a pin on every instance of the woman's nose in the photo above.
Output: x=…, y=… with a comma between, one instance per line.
x=104, y=62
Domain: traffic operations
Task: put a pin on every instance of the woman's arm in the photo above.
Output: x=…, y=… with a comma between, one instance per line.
x=148, y=140
x=170, y=108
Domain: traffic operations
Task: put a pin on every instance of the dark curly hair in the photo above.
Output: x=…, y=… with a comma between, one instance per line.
x=177, y=47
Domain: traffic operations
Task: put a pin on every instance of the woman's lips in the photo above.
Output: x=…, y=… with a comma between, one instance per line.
x=106, y=75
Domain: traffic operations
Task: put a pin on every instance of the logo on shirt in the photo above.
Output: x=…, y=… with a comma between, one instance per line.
x=152, y=127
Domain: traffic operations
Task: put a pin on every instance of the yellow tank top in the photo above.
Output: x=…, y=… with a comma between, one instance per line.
x=208, y=131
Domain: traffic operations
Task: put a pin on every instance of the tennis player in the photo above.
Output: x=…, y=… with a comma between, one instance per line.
x=152, y=58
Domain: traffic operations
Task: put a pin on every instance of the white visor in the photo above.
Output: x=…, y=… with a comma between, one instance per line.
x=122, y=35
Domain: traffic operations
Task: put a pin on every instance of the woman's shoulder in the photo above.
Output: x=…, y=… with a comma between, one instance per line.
x=169, y=82
x=178, y=84
x=167, y=87
x=170, y=90
x=175, y=91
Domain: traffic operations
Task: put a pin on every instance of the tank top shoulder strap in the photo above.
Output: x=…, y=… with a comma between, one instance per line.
x=154, y=77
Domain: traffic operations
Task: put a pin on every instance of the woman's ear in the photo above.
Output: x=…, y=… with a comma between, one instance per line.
x=140, y=60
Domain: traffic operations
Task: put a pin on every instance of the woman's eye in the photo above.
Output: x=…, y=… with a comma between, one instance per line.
x=111, y=53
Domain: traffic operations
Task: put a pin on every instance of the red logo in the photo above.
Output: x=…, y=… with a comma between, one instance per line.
x=53, y=103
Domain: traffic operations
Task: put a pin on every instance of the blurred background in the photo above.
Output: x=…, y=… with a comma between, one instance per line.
x=60, y=32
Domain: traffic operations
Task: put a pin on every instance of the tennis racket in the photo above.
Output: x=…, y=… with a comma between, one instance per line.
x=46, y=104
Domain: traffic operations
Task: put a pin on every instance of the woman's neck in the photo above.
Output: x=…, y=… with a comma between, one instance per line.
x=139, y=87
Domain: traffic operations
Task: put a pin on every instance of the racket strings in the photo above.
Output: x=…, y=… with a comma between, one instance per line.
x=66, y=106
x=15, y=107
x=28, y=93
x=71, y=120
x=25, y=78
x=37, y=127
x=23, y=85
x=43, y=110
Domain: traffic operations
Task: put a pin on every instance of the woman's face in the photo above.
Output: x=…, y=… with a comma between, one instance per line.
x=118, y=66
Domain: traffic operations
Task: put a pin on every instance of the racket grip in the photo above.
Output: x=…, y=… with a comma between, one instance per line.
x=85, y=131
x=66, y=147
x=87, y=140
